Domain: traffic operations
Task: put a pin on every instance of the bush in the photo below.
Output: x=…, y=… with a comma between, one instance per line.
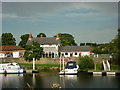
x=115, y=67
x=99, y=67
x=86, y=63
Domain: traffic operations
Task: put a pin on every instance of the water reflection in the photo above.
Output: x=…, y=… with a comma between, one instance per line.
x=68, y=81
x=12, y=80
x=47, y=79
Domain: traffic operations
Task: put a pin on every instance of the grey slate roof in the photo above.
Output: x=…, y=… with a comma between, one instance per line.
x=43, y=40
x=74, y=48
x=49, y=49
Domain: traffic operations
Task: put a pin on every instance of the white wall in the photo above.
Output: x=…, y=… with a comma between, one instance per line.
x=48, y=45
x=16, y=54
x=85, y=54
x=77, y=55
x=67, y=55
x=74, y=55
x=2, y=55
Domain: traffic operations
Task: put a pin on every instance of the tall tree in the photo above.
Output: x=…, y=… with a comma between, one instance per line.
x=33, y=51
x=108, y=48
x=8, y=39
x=41, y=34
x=67, y=39
x=23, y=41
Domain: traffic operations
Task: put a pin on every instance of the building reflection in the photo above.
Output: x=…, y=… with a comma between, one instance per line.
x=68, y=81
x=12, y=80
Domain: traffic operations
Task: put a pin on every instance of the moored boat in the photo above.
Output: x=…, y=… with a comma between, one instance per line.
x=10, y=68
x=71, y=68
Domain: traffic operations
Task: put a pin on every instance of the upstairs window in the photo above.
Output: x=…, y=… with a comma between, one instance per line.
x=66, y=53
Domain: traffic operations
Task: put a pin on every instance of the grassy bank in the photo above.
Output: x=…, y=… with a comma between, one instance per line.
x=42, y=67
x=112, y=67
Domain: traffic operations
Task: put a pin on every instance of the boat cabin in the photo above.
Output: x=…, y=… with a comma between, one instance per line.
x=71, y=65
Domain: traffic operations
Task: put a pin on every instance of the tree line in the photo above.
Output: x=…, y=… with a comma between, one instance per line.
x=8, y=39
x=67, y=40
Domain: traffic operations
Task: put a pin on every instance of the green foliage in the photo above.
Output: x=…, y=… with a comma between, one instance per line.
x=33, y=51
x=23, y=41
x=8, y=39
x=86, y=63
x=99, y=67
x=41, y=67
x=67, y=40
x=115, y=67
x=119, y=46
x=108, y=48
x=40, y=34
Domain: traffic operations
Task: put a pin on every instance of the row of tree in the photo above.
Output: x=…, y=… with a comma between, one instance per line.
x=109, y=48
x=67, y=40
x=8, y=39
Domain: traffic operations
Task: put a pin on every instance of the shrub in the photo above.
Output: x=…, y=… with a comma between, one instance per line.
x=86, y=63
x=115, y=67
x=99, y=67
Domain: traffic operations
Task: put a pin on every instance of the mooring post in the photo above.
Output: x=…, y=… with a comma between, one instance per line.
x=63, y=64
x=33, y=63
x=60, y=63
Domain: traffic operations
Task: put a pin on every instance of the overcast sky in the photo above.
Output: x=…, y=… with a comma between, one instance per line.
x=86, y=21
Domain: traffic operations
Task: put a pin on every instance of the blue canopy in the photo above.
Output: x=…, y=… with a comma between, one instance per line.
x=71, y=65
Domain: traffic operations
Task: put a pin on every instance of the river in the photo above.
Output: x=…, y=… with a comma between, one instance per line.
x=47, y=79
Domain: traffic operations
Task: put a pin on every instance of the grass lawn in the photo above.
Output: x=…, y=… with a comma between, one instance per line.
x=41, y=67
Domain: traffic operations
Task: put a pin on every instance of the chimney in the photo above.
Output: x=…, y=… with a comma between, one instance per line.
x=57, y=36
x=41, y=35
x=30, y=36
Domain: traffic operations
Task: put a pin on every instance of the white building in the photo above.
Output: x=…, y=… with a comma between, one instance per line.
x=51, y=47
x=75, y=51
x=11, y=51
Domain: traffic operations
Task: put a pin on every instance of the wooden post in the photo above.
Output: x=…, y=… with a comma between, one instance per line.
x=33, y=63
x=94, y=64
x=60, y=63
x=63, y=63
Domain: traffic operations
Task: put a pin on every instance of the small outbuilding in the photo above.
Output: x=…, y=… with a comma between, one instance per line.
x=11, y=51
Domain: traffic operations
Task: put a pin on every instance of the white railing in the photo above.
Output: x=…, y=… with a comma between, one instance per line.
x=108, y=65
x=104, y=66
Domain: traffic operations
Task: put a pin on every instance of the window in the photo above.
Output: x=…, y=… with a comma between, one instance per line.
x=75, y=53
x=66, y=53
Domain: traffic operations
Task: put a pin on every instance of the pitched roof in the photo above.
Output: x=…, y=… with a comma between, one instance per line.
x=10, y=48
x=43, y=40
x=74, y=48
x=50, y=49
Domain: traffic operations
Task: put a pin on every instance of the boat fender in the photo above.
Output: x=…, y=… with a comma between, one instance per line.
x=5, y=71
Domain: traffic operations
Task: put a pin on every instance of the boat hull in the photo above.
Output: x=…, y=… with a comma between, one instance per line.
x=11, y=71
x=69, y=72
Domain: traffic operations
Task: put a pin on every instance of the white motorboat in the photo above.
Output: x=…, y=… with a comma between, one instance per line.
x=10, y=68
x=71, y=68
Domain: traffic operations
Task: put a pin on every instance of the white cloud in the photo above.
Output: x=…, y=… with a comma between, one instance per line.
x=9, y=16
x=81, y=14
x=98, y=36
x=42, y=9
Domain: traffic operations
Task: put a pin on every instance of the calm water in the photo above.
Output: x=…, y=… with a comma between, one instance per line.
x=46, y=79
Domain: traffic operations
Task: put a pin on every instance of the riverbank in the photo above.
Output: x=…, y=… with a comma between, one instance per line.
x=41, y=67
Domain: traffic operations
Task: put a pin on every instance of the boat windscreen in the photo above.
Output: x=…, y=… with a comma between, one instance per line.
x=71, y=65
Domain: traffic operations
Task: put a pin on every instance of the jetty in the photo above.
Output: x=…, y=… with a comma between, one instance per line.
x=106, y=70
x=104, y=73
